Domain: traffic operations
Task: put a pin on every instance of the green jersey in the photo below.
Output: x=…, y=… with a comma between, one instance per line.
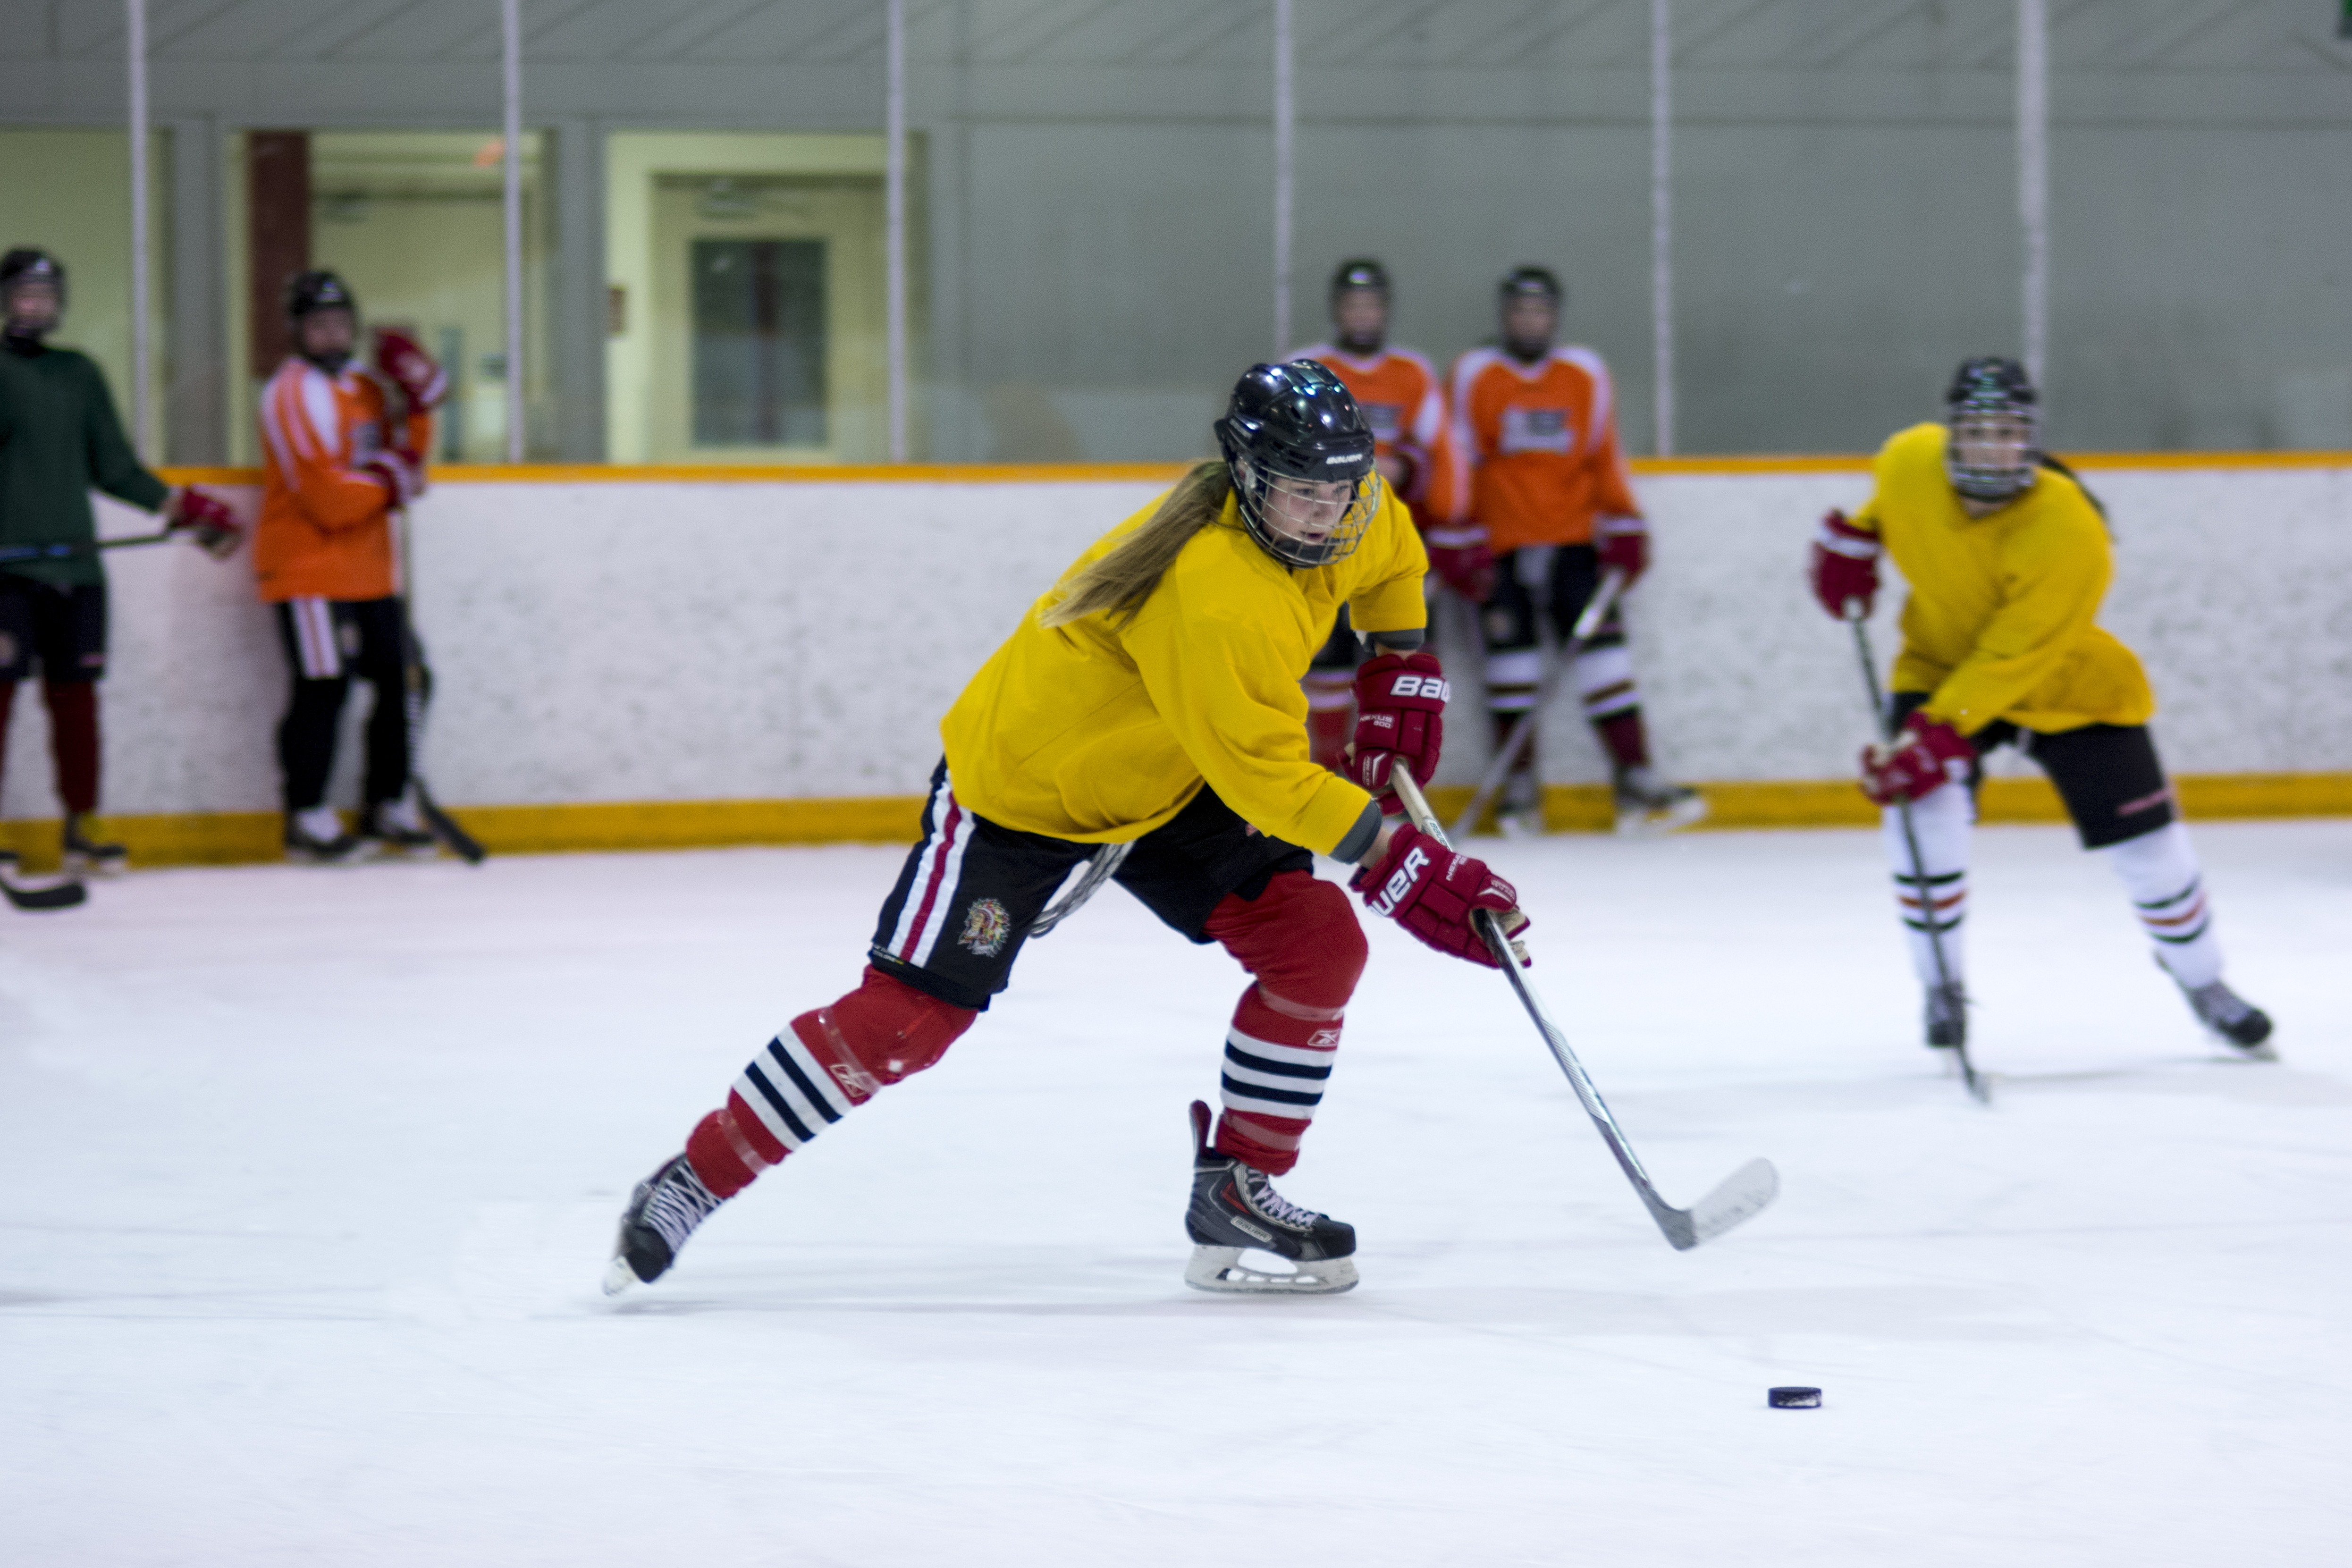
x=59, y=439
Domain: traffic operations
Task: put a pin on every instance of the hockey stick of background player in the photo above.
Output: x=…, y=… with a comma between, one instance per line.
x=1884, y=718
x=11, y=554
x=416, y=692
x=1523, y=729
x=62, y=895
x=1739, y=1196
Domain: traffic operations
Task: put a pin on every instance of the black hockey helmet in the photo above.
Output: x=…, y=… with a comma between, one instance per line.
x=1994, y=419
x=1362, y=273
x=1290, y=433
x=1520, y=282
x=26, y=265
x=318, y=290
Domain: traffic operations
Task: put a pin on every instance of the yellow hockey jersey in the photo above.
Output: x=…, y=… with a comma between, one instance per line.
x=1100, y=733
x=1999, y=623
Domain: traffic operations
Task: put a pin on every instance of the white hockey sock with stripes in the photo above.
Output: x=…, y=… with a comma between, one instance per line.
x=1941, y=820
x=2159, y=871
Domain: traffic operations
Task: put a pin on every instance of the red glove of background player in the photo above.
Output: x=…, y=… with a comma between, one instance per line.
x=209, y=522
x=1624, y=542
x=1435, y=893
x=1400, y=715
x=1845, y=565
x=1919, y=762
x=1459, y=554
x=401, y=474
x=402, y=360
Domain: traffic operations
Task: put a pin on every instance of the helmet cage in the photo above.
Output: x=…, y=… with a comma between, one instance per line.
x=1300, y=457
x=1296, y=518
x=1992, y=416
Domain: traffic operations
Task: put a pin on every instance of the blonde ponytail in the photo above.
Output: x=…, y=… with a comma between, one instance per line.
x=1123, y=578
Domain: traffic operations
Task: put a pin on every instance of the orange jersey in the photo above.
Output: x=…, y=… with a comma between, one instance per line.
x=325, y=529
x=1536, y=447
x=1403, y=402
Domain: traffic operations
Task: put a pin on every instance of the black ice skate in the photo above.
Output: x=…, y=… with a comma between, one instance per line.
x=1520, y=814
x=1649, y=802
x=662, y=1212
x=2233, y=1017
x=1235, y=1209
x=1948, y=1017
x=393, y=829
x=316, y=838
x=85, y=858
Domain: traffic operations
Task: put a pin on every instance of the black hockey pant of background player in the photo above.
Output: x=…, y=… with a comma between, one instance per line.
x=328, y=642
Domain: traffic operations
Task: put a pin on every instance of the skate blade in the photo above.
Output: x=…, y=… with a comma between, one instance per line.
x=1640, y=822
x=81, y=866
x=620, y=1277
x=1220, y=1270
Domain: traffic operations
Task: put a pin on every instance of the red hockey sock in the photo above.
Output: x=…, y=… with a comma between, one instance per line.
x=1301, y=940
x=830, y=1062
x=73, y=741
x=1628, y=741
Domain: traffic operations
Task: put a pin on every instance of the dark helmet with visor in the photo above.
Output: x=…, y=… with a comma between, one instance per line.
x=318, y=290
x=1993, y=415
x=1301, y=459
x=1362, y=273
x=1526, y=282
x=25, y=265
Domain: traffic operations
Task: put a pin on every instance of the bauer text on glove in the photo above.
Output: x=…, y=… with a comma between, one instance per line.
x=1400, y=714
x=1437, y=893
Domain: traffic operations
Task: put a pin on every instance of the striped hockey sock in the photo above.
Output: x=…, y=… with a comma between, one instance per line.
x=2159, y=871
x=1279, y=1056
x=827, y=1064
x=1941, y=820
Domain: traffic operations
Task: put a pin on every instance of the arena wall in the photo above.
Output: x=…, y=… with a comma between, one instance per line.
x=650, y=656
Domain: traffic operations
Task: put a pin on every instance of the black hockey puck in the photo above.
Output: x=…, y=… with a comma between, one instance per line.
x=1793, y=1398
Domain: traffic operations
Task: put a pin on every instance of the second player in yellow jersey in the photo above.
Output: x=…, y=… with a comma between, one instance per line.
x=2007, y=562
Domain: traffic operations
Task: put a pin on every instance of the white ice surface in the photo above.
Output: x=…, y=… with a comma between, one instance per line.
x=308, y=1177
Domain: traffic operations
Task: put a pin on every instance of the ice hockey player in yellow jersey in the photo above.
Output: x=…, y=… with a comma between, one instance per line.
x=1144, y=724
x=2007, y=557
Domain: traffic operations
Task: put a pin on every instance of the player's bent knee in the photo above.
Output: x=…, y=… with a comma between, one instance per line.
x=886, y=1029
x=1300, y=938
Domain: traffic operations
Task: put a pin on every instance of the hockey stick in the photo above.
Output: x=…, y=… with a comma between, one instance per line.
x=1884, y=717
x=1737, y=1197
x=62, y=895
x=1523, y=729
x=14, y=555
x=417, y=691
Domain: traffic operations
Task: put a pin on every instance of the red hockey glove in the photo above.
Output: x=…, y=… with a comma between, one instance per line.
x=1623, y=543
x=1845, y=566
x=401, y=474
x=1400, y=716
x=1459, y=555
x=1434, y=893
x=1924, y=757
x=402, y=360
x=209, y=522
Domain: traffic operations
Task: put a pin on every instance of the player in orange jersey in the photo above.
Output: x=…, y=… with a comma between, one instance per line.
x=1404, y=403
x=1537, y=468
x=343, y=448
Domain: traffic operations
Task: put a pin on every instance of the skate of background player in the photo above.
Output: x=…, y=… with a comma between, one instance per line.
x=605, y=747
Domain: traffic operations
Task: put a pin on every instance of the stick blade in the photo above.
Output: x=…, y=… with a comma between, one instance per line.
x=1737, y=1199
x=56, y=896
x=444, y=827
